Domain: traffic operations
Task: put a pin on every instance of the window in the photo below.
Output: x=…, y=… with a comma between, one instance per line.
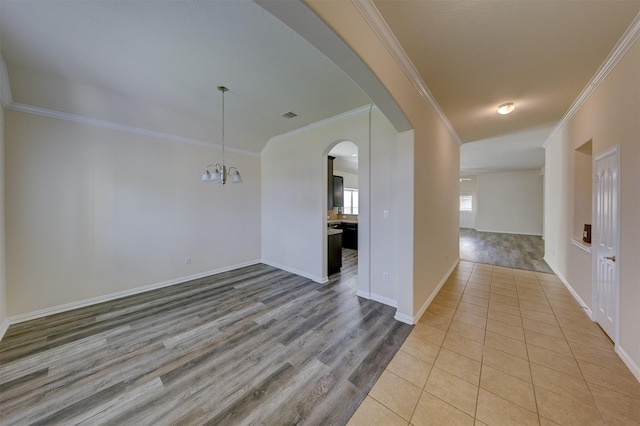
x=350, y=201
x=466, y=203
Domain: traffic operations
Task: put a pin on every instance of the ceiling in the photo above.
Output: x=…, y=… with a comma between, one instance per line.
x=156, y=64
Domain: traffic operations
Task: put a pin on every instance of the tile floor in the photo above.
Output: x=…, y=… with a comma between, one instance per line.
x=502, y=346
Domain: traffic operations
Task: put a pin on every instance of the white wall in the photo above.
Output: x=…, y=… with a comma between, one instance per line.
x=3, y=284
x=350, y=179
x=92, y=212
x=609, y=117
x=294, y=168
x=510, y=202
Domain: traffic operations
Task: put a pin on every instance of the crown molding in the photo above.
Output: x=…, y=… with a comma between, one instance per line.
x=375, y=20
x=623, y=45
x=89, y=121
x=5, y=88
x=336, y=118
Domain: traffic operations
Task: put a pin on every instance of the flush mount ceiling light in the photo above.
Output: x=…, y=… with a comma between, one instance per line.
x=220, y=173
x=507, y=108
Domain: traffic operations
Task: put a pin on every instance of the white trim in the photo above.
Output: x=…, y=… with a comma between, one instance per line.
x=113, y=296
x=89, y=121
x=407, y=319
x=6, y=98
x=3, y=328
x=314, y=278
x=374, y=18
x=635, y=370
x=619, y=50
x=509, y=232
x=571, y=290
x=364, y=294
x=384, y=300
x=404, y=318
x=321, y=123
x=580, y=245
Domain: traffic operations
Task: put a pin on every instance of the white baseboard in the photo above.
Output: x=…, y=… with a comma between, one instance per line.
x=363, y=294
x=570, y=288
x=315, y=278
x=108, y=297
x=404, y=318
x=630, y=363
x=3, y=328
x=427, y=302
x=384, y=300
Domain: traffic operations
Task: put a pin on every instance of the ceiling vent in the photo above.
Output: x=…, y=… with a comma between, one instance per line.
x=290, y=115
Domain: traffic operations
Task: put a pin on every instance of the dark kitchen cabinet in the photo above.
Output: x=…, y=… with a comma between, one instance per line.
x=330, y=182
x=350, y=235
x=335, y=253
x=338, y=191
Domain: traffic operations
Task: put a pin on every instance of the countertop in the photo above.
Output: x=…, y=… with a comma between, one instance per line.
x=329, y=222
x=334, y=231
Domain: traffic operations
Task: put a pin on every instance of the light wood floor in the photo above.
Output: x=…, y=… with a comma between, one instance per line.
x=250, y=346
x=508, y=250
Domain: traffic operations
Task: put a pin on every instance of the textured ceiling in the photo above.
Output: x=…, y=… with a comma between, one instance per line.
x=475, y=55
x=156, y=65
x=131, y=62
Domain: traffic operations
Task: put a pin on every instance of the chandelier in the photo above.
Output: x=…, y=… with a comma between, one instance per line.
x=220, y=173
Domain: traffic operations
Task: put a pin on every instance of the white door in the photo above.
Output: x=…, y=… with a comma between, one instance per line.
x=605, y=236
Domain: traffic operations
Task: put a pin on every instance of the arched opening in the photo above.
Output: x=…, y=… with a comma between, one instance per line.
x=343, y=208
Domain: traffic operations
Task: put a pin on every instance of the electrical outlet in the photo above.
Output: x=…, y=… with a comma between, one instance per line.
x=385, y=276
x=385, y=214
x=187, y=260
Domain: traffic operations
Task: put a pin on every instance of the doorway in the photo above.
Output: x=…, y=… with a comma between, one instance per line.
x=344, y=207
x=605, y=239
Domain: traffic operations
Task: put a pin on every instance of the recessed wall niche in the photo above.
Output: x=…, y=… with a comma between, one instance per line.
x=582, y=188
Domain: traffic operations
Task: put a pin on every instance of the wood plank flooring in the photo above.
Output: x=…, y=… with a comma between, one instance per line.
x=252, y=346
x=508, y=250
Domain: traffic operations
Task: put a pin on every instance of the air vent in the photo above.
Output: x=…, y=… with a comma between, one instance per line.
x=290, y=115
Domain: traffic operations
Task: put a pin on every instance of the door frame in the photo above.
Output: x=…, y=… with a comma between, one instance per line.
x=614, y=151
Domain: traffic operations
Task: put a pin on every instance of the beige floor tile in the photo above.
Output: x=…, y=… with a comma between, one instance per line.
x=470, y=319
x=396, y=394
x=447, y=301
x=624, y=383
x=548, y=342
x=474, y=309
x=505, y=344
x=509, y=292
x=467, y=331
x=505, y=300
x=509, y=309
x=589, y=339
x=479, y=423
x=496, y=411
x=506, y=386
x=566, y=411
x=562, y=384
x=544, y=308
x=453, y=390
x=476, y=292
x=603, y=358
x=512, y=331
x=504, y=317
x=503, y=283
x=506, y=363
x=463, y=346
x=371, y=412
x=541, y=327
x=458, y=365
x=410, y=368
x=531, y=297
x=480, y=301
x=433, y=335
x=420, y=349
x=433, y=411
x=479, y=284
x=573, y=314
x=451, y=291
x=563, y=363
x=547, y=422
x=435, y=320
x=616, y=408
x=441, y=310
x=539, y=316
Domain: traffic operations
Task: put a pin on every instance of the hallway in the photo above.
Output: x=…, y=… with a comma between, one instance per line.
x=502, y=346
